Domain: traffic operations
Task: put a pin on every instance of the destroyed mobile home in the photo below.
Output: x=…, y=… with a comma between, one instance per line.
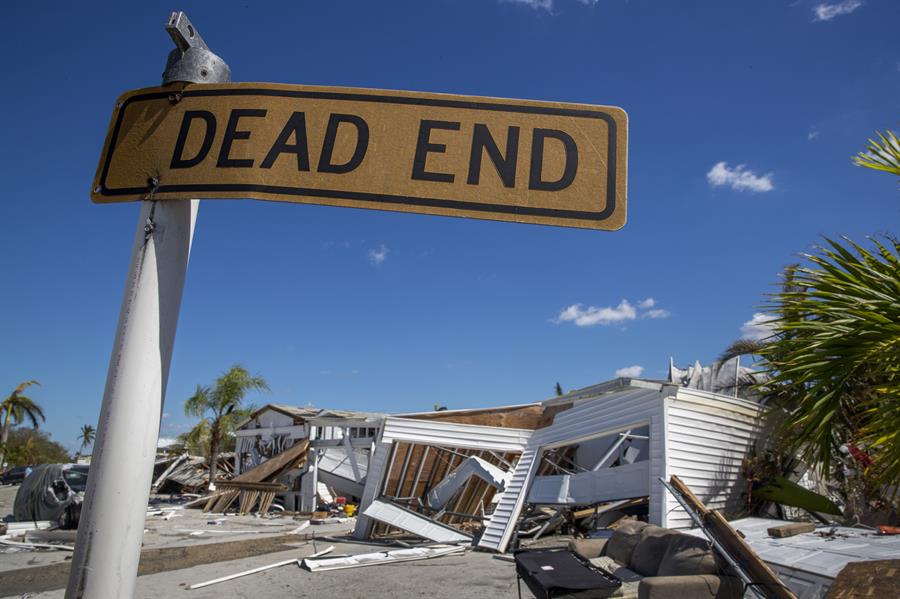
x=570, y=478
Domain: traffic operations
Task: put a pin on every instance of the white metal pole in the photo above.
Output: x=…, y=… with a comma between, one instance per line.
x=108, y=544
x=111, y=528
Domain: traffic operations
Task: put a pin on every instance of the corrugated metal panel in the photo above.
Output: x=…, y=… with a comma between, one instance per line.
x=708, y=436
x=450, y=434
x=410, y=521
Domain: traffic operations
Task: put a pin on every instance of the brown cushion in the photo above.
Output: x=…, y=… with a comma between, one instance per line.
x=650, y=550
x=624, y=540
x=687, y=556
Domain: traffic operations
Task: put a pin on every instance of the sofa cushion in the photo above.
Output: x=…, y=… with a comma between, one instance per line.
x=687, y=556
x=630, y=580
x=622, y=543
x=650, y=550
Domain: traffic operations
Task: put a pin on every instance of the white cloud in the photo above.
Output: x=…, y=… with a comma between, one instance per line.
x=165, y=442
x=758, y=327
x=630, y=372
x=545, y=4
x=739, y=178
x=813, y=133
x=826, y=12
x=592, y=315
x=378, y=256
x=656, y=313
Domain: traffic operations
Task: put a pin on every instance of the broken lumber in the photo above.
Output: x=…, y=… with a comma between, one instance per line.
x=718, y=528
x=789, y=530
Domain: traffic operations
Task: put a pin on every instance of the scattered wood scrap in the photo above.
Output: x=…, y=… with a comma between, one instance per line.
x=258, y=484
x=790, y=530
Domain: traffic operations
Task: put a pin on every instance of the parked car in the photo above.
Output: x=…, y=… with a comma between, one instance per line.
x=13, y=476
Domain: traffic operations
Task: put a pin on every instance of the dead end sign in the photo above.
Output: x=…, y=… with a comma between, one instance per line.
x=510, y=160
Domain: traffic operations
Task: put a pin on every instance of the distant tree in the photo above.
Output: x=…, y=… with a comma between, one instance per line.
x=438, y=408
x=559, y=390
x=87, y=436
x=29, y=446
x=219, y=407
x=14, y=410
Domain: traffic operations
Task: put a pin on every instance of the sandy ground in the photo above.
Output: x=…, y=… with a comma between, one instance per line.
x=472, y=574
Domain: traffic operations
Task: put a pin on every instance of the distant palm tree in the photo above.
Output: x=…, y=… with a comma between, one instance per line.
x=14, y=410
x=219, y=406
x=87, y=435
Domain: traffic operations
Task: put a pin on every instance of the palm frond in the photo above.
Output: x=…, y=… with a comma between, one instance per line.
x=836, y=351
x=882, y=155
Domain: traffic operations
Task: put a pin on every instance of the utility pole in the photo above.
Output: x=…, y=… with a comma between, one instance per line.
x=108, y=545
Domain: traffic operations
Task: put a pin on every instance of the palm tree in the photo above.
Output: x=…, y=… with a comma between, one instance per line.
x=15, y=409
x=87, y=435
x=836, y=354
x=219, y=405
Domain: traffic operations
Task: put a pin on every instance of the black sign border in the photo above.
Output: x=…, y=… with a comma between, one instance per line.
x=609, y=209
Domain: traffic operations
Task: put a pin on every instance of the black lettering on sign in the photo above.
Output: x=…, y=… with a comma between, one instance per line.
x=536, y=180
x=295, y=126
x=424, y=146
x=232, y=133
x=178, y=159
x=506, y=166
x=362, y=144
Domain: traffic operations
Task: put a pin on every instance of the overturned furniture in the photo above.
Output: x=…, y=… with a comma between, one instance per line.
x=655, y=562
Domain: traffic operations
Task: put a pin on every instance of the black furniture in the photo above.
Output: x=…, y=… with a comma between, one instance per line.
x=560, y=572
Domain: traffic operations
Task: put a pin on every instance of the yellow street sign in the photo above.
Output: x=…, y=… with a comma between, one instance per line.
x=511, y=160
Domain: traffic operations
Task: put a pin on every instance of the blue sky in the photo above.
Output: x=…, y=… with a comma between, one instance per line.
x=743, y=119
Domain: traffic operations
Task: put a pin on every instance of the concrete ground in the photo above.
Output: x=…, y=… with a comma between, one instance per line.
x=472, y=574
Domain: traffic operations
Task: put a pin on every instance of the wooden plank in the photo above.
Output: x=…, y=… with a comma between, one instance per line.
x=719, y=528
x=291, y=458
x=789, y=530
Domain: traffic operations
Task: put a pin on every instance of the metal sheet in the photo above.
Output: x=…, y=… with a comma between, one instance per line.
x=449, y=434
x=471, y=466
x=417, y=524
x=609, y=484
x=511, y=160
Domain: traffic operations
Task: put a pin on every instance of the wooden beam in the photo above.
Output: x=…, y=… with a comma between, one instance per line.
x=736, y=547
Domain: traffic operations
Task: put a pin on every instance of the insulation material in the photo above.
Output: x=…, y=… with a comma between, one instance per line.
x=414, y=523
x=443, y=492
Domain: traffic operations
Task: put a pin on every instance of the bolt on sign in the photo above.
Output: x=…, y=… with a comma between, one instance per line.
x=510, y=160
